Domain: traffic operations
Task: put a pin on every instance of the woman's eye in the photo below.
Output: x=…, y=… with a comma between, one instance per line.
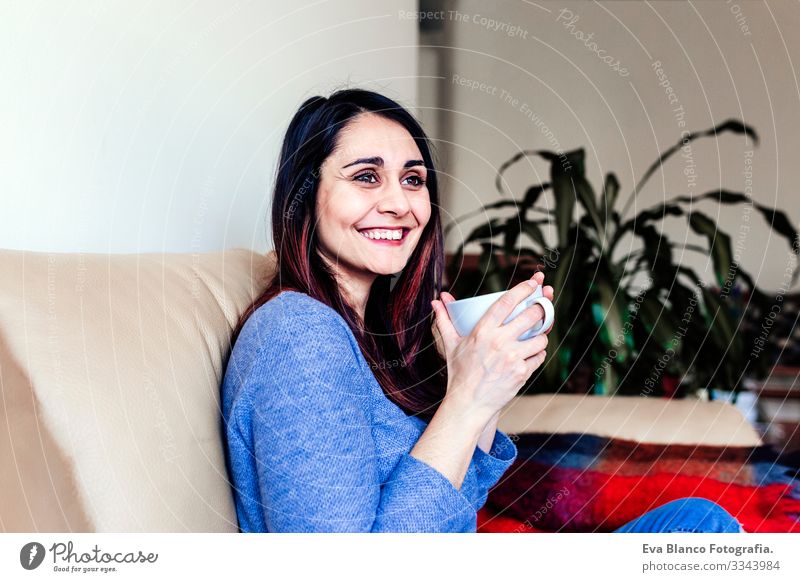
x=366, y=175
x=417, y=180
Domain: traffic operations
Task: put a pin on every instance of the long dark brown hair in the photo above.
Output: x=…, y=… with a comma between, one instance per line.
x=396, y=338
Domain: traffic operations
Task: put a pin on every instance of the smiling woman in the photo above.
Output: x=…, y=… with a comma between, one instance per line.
x=322, y=434
x=354, y=169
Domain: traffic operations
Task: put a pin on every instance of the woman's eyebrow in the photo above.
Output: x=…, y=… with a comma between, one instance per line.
x=378, y=161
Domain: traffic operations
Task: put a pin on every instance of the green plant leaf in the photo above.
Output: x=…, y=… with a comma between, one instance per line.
x=586, y=196
x=517, y=204
x=562, y=177
x=565, y=257
x=498, y=181
x=718, y=242
x=654, y=316
x=610, y=317
x=606, y=209
x=560, y=355
x=565, y=204
x=531, y=228
x=693, y=277
x=781, y=224
x=732, y=125
x=726, y=342
x=488, y=267
x=776, y=219
x=491, y=229
x=722, y=319
x=512, y=230
x=657, y=252
x=757, y=296
x=532, y=194
x=610, y=192
x=656, y=213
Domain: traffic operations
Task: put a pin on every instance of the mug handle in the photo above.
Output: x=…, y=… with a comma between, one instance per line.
x=549, y=316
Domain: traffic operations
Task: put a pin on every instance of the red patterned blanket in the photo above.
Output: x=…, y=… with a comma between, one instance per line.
x=586, y=483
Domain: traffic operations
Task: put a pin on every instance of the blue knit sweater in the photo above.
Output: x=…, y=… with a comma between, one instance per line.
x=314, y=445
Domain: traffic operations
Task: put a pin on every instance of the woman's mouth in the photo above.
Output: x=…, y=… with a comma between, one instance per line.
x=388, y=236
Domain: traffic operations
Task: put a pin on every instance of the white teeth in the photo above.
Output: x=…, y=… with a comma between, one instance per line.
x=383, y=234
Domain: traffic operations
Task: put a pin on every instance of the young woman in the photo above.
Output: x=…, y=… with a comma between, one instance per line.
x=346, y=408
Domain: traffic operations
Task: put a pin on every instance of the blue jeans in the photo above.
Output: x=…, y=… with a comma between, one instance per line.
x=689, y=514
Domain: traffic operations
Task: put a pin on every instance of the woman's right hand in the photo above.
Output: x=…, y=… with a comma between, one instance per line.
x=487, y=368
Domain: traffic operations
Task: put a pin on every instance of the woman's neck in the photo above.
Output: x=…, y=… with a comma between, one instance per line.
x=355, y=288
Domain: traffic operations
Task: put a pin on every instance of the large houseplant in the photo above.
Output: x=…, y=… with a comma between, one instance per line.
x=632, y=338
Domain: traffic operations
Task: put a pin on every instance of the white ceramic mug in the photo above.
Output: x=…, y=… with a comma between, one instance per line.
x=465, y=313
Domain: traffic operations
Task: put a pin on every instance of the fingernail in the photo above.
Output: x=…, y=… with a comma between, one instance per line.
x=532, y=283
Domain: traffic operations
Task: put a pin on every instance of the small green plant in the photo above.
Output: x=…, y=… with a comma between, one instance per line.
x=674, y=326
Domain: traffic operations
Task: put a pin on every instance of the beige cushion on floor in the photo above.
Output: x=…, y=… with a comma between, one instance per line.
x=110, y=367
x=652, y=420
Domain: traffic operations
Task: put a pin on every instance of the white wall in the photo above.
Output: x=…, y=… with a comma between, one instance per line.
x=722, y=59
x=136, y=127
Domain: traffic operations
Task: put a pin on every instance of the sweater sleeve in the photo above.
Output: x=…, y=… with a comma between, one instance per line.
x=316, y=457
x=489, y=467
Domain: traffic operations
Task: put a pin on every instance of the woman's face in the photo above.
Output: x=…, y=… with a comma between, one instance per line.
x=372, y=183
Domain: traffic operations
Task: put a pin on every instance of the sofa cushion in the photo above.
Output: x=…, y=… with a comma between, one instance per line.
x=646, y=420
x=110, y=367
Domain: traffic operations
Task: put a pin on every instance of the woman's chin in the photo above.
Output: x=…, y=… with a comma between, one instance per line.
x=389, y=271
x=387, y=268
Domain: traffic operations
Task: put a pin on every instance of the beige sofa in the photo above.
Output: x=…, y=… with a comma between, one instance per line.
x=110, y=367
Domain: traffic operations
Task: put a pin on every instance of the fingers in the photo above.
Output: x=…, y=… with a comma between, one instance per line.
x=529, y=317
x=530, y=347
x=444, y=326
x=547, y=290
x=502, y=308
x=534, y=362
x=438, y=340
x=446, y=297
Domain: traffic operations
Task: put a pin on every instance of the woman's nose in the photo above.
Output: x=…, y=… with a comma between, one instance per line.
x=394, y=199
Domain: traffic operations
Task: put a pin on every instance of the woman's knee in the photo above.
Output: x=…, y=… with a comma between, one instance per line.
x=698, y=514
x=688, y=514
